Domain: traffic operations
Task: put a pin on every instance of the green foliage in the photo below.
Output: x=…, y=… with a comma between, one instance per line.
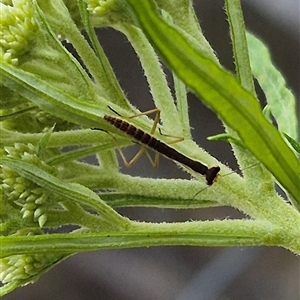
x=49, y=102
x=279, y=98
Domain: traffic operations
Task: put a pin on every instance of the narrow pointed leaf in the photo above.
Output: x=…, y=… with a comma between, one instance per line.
x=221, y=92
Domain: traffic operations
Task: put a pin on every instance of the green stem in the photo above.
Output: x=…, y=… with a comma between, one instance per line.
x=239, y=44
x=98, y=62
x=184, y=16
x=74, y=214
x=229, y=190
x=135, y=200
x=155, y=76
x=182, y=107
x=244, y=75
x=212, y=233
x=64, y=138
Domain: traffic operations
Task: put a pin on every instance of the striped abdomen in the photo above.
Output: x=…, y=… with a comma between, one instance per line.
x=150, y=141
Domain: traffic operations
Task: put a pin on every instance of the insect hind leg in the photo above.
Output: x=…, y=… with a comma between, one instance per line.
x=154, y=162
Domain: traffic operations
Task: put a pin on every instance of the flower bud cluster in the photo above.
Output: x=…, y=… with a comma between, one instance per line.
x=32, y=199
x=24, y=266
x=100, y=7
x=17, y=27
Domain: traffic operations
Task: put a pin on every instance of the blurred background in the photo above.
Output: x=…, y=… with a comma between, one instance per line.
x=187, y=273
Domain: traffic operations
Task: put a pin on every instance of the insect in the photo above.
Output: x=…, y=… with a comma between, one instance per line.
x=148, y=140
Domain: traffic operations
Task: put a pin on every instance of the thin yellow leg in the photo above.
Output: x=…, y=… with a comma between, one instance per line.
x=148, y=112
x=134, y=159
x=154, y=162
x=143, y=149
x=177, y=139
x=154, y=126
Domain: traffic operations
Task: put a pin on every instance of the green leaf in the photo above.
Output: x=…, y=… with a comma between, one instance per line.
x=50, y=98
x=279, y=97
x=221, y=92
x=294, y=143
x=226, y=137
x=16, y=113
x=71, y=191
